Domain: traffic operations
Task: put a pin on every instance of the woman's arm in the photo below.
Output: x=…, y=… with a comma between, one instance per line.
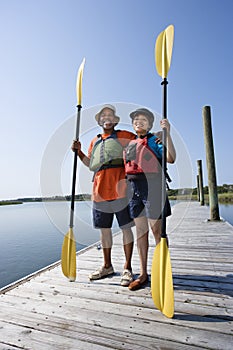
x=171, y=151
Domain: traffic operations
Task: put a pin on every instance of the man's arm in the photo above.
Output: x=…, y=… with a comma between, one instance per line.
x=76, y=146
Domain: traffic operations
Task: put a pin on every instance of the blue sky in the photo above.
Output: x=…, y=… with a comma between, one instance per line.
x=43, y=43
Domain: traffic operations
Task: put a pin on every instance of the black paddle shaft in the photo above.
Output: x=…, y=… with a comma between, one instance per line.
x=75, y=169
x=164, y=158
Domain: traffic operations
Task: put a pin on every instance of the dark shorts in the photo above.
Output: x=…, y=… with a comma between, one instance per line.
x=146, y=198
x=103, y=213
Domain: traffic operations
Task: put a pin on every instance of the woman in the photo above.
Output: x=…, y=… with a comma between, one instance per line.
x=143, y=170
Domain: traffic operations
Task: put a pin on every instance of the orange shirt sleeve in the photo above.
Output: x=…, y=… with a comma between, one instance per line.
x=90, y=148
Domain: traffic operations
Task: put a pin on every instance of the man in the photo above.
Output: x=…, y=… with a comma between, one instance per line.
x=109, y=194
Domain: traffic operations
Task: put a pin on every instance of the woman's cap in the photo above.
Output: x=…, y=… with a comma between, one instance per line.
x=144, y=111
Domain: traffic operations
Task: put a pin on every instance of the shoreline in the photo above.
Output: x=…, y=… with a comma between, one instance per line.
x=78, y=198
x=187, y=198
x=222, y=199
x=10, y=202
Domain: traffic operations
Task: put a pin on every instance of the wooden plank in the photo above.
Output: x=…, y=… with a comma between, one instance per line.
x=8, y=347
x=133, y=324
x=90, y=302
x=95, y=335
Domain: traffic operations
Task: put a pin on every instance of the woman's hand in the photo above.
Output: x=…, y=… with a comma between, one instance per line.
x=164, y=123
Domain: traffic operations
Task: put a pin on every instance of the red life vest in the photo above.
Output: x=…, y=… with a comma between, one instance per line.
x=139, y=158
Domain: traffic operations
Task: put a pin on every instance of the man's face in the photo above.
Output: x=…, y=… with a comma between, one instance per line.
x=107, y=118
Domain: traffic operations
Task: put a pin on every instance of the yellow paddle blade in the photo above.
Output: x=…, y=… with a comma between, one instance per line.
x=79, y=82
x=163, y=51
x=68, y=256
x=161, y=279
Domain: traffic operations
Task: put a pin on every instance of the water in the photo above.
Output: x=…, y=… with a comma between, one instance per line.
x=226, y=212
x=31, y=235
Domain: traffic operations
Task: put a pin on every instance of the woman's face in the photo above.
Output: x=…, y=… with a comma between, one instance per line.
x=141, y=124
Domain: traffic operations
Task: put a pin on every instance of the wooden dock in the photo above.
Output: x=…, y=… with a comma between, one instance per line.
x=46, y=311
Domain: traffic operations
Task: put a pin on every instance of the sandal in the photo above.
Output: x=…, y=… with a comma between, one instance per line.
x=101, y=273
x=126, y=278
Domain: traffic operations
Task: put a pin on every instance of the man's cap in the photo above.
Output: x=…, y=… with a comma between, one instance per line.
x=97, y=116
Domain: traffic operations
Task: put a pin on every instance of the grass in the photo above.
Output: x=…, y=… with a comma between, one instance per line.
x=10, y=202
x=222, y=197
x=225, y=197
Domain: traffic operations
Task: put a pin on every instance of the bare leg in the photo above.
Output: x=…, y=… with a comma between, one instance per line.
x=142, y=230
x=128, y=242
x=156, y=226
x=106, y=240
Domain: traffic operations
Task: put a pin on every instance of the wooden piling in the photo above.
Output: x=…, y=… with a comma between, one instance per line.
x=210, y=162
x=198, y=189
x=200, y=177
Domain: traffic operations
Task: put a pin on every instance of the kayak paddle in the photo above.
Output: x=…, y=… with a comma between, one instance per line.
x=161, y=271
x=68, y=255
